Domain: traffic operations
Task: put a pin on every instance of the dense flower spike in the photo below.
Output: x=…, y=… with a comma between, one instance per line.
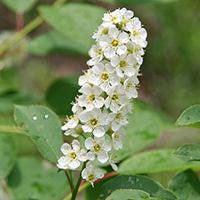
x=107, y=88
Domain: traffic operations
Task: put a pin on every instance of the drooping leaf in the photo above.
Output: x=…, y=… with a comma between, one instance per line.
x=135, y=2
x=143, y=129
x=129, y=194
x=43, y=127
x=55, y=42
x=185, y=185
x=77, y=21
x=20, y=6
x=61, y=93
x=7, y=154
x=30, y=179
x=190, y=117
x=188, y=152
x=155, y=161
x=135, y=182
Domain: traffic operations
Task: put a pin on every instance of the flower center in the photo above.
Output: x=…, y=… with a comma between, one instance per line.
x=91, y=97
x=93, y=122
x=105, y=31
x=123, y=63
x=115, y=97
x=104, y=76
x=73, y=155
x=118, y=116
x=97, y=148
x=114, y=43
x=91, y=177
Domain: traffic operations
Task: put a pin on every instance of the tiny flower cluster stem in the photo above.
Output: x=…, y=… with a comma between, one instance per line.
x=100, y=113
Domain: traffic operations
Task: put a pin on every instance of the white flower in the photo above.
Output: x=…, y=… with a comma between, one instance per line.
x=72, y=156
x=138, y=34
x=124, y=65
x=84, y=78
x=130, y=87
x=118, y=119
x=116, y=98
x=91, y=97
x=112, y=160
x=91, y=174
x=94, y=120
x=114, y=42
x=104, y=76
x=96, y=55
x=117, y=138
x=74, y=132
x=99, y=148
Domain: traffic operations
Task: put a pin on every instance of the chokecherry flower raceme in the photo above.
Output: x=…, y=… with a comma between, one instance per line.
x=107, y=87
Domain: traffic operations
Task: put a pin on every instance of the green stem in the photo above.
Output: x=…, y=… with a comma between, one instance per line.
x=78, y=184
x=27, y=29
x=9, y=129
x=70, y=181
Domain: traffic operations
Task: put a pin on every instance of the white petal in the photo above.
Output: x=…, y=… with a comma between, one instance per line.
x=115, y=126
x=84, y=116
x=99, y=131
x=86, y=128
x=106, y=145
x=76, y=145
x=89, y=143
x=74, y=164
x=121, y=50
x=115, y=60
x=102, y=157
x=98, y=173
x=109, y=52
x=99, y=102
x=90, y=156
x=66, y=148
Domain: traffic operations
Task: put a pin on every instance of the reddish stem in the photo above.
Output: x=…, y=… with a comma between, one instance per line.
x=69, y=180
x=19, y=21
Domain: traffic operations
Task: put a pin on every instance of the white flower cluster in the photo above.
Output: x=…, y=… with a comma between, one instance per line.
x=107, y=88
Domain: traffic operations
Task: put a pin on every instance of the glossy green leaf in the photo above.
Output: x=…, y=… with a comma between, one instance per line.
x=77, y=21
x=43, y=127
x=135, y=2
x=7, y=154
x=135, y=182
x=188, y=152
x=61, y=93
x=31, y=179
x=129, y=194
x=155, y=161
x=190, y=117
x=185, y=185
x=143, y=129
x=55, y=42
x=20, y=6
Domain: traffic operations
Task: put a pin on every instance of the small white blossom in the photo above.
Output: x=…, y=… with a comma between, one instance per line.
x=91, y=174
x=99, y=148
x=117, y=138
x=72, y=156
x=74, y=132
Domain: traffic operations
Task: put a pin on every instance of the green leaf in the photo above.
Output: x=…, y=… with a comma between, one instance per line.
x=55, y=42
x=188, y=152
x=7, y=154
x=129, y=194
x=155, y=161
x=185, y=185
x=61, y=93
x=43, y=127
x=30, y=179
x=190, y=117
x=144, y=128
x=20, y=6
x=166, y=121
x=134, y=2
x=77, y=21
x=135, y=182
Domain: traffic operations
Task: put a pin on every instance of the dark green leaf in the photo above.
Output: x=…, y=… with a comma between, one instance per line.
x=77, y=21
x=129, y=194
x=144, y=128
x=20, y=6
x=61, y=93
x=55, y=42
x=30, y=179
x=155, y=161
x=135, y=182
x=185, y=185
x=188, y=152
x=134, y=2
x=190, y=117
x=43, y=127
x=7, y=154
